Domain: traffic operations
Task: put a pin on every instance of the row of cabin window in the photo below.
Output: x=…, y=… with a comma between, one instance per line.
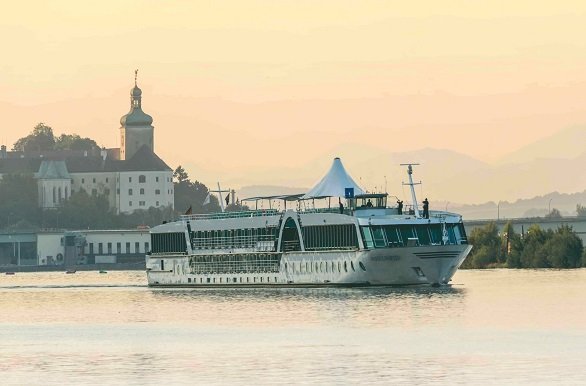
x=141, y=179
x=322, y=266
x=173, y=242
x=381, y=236
x=109, y=250
x=211, y=280
x=329, y=236
x=235, y=263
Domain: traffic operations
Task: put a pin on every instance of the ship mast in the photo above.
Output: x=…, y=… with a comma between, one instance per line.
x=412, y=186
x=221, y=199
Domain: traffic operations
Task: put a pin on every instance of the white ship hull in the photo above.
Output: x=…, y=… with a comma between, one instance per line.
x=430, y=265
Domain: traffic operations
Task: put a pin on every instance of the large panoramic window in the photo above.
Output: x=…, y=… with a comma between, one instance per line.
x=322, y=237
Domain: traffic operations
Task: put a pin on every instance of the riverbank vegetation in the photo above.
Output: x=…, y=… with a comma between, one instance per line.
x=533, y=248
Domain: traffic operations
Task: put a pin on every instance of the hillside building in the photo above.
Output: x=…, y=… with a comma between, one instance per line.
x=131, y=177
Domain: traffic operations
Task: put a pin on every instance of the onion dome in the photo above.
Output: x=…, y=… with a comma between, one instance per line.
x=136, y=117
x=135, y=92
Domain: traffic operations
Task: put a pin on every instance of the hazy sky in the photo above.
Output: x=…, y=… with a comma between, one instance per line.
x=241, y=86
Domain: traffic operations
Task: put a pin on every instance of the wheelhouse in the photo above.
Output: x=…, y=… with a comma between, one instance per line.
x=370, y=200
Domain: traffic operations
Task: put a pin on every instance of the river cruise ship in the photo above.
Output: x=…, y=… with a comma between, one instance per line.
x=360, y=241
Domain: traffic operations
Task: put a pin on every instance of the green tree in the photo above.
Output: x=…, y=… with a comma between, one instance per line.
x=82, y=211
x=75, y=142
x=487, y=244
x=533, y=255
x=180, y=174
x=580, y=210
x=563, y=249
x=40, y=139
x=192, y=194
x=149, y=217
x=19, y=202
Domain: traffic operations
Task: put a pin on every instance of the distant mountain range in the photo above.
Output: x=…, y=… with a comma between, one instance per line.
x=533, y=207
x=524, y=182
x=567, y=143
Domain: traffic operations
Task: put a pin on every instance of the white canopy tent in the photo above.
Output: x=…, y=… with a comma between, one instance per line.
x=334, y=184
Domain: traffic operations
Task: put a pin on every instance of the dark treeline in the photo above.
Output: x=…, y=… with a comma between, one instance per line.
x=535, y=248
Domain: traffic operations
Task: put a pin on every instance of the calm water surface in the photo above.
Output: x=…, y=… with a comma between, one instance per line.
x=490, y=327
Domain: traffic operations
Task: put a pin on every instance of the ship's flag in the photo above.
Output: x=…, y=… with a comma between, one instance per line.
x=207, y=200
x=189, y=210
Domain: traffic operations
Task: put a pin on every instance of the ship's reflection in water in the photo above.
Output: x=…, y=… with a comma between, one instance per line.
x=376, y=306
x=492, y=327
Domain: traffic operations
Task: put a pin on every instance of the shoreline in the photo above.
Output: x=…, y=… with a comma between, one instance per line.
x=85, y=267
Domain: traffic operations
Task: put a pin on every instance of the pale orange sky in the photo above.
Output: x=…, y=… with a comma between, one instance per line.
x=239, y=87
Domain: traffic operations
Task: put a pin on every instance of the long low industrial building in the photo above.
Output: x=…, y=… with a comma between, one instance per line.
x=74, y=248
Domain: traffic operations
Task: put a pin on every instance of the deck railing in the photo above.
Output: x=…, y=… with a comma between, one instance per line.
x=325, y=210
x=222, y=215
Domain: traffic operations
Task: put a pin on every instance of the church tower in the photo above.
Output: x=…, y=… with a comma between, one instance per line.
x=136, y=127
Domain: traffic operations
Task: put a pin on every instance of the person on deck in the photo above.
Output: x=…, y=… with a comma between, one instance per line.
x=341, y=206
x=369, y=203
x=425, y=208
x=399, y=207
